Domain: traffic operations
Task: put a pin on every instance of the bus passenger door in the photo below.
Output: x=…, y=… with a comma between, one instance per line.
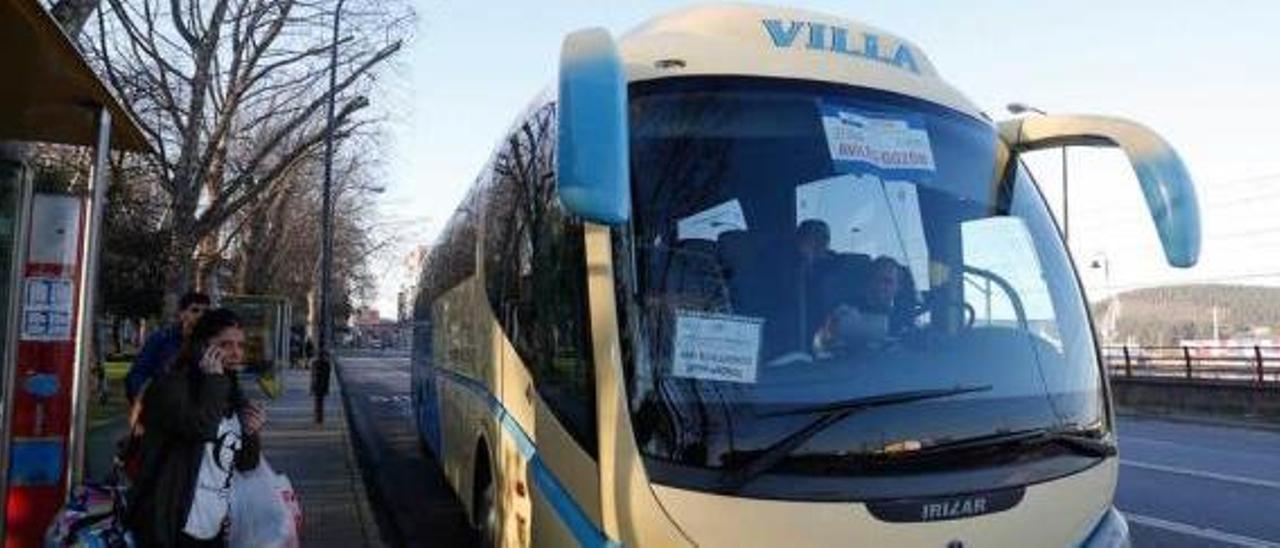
x=535, y=275
x=515, y=446
x=556, y=350
x=549, y=493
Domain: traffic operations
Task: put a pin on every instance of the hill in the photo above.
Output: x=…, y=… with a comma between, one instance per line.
x=1165, y=315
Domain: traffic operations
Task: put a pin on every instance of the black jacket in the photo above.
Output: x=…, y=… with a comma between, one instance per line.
x=180, y=413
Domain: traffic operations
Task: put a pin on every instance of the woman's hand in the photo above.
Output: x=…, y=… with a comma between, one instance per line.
x=255, y=416
x=212, y=361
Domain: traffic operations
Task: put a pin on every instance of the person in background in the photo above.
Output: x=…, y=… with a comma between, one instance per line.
x=162, y=346
x=198, y=429
x=813, y=250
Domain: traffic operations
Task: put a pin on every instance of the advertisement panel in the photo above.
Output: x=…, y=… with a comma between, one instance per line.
x=44, y=370
x=266, y=336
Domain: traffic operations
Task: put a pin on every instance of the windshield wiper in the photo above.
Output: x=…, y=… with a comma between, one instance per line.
x=1083, y=442
x=830, y=413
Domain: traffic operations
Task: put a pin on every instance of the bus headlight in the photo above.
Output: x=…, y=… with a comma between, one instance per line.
x=1112, y=532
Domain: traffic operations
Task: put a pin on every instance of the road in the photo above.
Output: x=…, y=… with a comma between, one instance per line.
x=1187, y=484
x=1181, y=484
x=413, y=504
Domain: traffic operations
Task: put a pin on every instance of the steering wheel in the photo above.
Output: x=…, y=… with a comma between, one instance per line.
x=1009, y=290
x=967, y=310
x=971, y=311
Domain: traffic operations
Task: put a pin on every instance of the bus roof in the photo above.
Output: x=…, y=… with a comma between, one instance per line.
x=754, y=40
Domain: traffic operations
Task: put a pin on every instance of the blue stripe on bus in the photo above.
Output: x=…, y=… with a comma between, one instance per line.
x=570, y=514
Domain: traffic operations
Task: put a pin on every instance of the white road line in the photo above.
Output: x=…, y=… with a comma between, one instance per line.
x=1140, y=439
x=1256, y=482
x=1200, y=532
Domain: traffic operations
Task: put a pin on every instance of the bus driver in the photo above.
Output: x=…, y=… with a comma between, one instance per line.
x=864, y=322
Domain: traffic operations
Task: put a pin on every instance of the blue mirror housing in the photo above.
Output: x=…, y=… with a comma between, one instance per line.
x=1167, y=187
x=592, y=149
x=1171, y=198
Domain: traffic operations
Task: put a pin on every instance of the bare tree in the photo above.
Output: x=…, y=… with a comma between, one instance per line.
x=274, y=243
x=231, y=93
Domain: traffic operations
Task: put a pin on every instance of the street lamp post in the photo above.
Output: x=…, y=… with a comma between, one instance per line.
x=321, y=370
x=1022, y=108
x=1112, y=321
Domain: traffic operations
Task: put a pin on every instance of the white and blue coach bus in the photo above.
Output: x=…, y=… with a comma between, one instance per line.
x=756, y=276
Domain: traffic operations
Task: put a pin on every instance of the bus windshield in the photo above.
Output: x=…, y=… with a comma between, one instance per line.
x=797, y=245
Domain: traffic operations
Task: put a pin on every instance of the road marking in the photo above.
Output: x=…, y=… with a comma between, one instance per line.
x=389, y=399
x=1256, y=482
x=1140, y=439
x=1200, y=532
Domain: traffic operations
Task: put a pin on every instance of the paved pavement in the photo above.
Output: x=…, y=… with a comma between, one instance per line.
x=414, y=505
x=1181, y=483
x=321, y=464
x=320, y=461
x=101, y=447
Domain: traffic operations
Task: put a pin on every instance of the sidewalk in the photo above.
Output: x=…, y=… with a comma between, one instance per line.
x=320, y=462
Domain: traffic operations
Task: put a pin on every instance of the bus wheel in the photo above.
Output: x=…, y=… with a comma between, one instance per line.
x=484, y=507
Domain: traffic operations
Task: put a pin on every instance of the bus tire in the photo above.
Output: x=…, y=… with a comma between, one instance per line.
x=484, y=510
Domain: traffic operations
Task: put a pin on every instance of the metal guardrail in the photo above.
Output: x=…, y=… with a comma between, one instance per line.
x=1257, y=365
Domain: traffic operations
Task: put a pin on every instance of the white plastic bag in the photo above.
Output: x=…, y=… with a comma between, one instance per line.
x=284, y=489
x=264, y=509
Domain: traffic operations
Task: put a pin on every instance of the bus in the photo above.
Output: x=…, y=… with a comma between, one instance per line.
x=757, y=276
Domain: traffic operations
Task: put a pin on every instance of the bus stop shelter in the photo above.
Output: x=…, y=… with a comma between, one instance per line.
x=48, y=260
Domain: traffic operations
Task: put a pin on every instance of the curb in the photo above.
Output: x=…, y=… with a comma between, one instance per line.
x=389, y=531
x=364, y=507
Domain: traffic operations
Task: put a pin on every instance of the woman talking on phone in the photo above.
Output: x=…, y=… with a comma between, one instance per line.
x=198, y=428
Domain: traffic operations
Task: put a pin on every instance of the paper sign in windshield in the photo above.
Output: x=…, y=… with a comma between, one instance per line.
x=886, y=143
x=717, y=347
x=709, y=223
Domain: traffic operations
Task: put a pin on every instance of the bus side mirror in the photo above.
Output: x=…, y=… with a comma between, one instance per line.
x=1166, y=185
x=592, y=149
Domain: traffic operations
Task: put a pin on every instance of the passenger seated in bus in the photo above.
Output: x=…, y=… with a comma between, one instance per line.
x=866, y=320
x=816, y=263
x=813, y=241
x=829, y=279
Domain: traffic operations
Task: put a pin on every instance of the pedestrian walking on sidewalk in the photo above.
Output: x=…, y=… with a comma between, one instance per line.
x=321, y=371
x=197, y=428
x=162, y=346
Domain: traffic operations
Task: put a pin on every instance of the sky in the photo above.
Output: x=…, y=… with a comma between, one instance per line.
x=1206, y=75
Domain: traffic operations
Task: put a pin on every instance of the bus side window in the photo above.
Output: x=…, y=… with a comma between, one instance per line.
x=536, y=279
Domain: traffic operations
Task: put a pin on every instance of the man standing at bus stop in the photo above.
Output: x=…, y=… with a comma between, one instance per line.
x=162, y=346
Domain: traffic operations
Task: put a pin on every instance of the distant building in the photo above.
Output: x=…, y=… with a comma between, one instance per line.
x=412, y=264
x=365, y=316
x=370, y=330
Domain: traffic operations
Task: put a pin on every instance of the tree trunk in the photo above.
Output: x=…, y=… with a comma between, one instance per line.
x=207, y=262
x=73, y=14
x=178, y=278
x=313, y=316
x=255, y=254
